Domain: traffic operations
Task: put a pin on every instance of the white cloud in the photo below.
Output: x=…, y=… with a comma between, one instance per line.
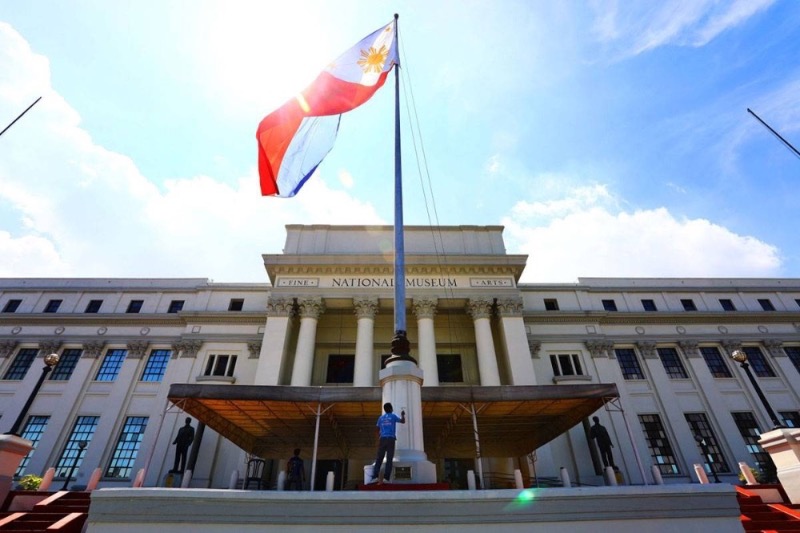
x=582, y=236
x=82, y=210
x=346, y=179
x=36, y=256
x=632, y=28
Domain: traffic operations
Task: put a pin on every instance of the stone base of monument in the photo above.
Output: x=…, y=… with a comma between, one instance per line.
x=783, y=445
x=408, y=467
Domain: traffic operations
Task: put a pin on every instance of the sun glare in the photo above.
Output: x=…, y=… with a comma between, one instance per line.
x=259, y=55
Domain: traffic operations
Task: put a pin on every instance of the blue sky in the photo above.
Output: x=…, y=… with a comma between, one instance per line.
x=609, y=138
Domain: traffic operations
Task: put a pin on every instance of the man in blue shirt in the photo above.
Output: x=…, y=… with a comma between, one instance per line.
x=387, y=425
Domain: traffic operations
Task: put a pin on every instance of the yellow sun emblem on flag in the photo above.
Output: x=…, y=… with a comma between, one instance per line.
x=372, y=60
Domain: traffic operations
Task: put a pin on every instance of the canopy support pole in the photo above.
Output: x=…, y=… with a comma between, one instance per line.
x=615, y=402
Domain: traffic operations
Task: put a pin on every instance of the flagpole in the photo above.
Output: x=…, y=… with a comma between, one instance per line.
x=400, y=344
x=20, y=115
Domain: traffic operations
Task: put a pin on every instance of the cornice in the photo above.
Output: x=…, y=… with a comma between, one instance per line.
x=131, y=319
x=651, y=318
x=674, y=339
x=366, y=269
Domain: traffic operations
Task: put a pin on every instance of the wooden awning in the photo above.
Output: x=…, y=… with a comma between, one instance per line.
x=270, y=421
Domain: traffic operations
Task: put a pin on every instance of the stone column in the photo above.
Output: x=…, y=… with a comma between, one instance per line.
x=365, y=309
x=425, y=310
x=480, y=309
x=273, y=344
x=515, y=341
x=310, y=309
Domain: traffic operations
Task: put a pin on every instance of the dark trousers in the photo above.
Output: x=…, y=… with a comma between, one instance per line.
x=385, y=449
x=606, y=456
x=180, y=458
x=294, y=483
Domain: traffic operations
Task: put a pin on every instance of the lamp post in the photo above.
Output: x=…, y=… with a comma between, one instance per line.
x=49, y=362
x=741, y=357
x=707, y=456
x=81, y=445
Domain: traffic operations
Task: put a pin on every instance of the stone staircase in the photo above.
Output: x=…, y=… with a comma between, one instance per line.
x=758, y=516
x=63, y=511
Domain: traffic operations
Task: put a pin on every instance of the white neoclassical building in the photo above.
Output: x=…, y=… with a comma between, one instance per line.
x=512, y=373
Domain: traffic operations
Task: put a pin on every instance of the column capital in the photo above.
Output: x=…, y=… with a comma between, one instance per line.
x=647, y=349
x=424, y=307
x=255, y=349
x=137, y=349
x=690, y=349
x=365, y=306
x=509, y=307
x=311, y=307
x=535, y=347
x=7, y=348
x=599, y=349
x=49, y=346
x=479, y=308
x=774, y=347
x=92, y=349
x=731, y=346
x=186, y=348
x=280, y=307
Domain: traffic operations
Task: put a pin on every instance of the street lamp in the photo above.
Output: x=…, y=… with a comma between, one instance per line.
x=707, y=456
x=49, y=362
x=81, y=445
x=741, y=357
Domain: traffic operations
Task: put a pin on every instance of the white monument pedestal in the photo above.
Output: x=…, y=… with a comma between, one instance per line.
x=12, y=450
x=783, y=445
x=401, y=382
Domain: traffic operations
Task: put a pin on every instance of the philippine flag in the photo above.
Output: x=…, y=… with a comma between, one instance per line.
x=295, y=138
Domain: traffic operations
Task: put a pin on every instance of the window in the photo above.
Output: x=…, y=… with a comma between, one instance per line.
x=715, y=361
x=82, y=433
x=34, y=428
x=766, y=304
x=112, y=363
x=609, y=305
x=21, y=363
x=672, y=363
x=688, y=304
x=340, y=368
x=175, y=306
x=748, y=429
x=450, y=368
x=649, y=305
x=794, y=355
x=727, y=304
x=94, y=306
x=66, y=364
x=11, y=306
x=221, y=365
x=236, y=304
x=566, y=364
x=134, y=306
x=127, y=447
x=156, y=365
x=797, y=301
x=698, y=423
x=790, y=418
x=628, y=363
x=550, y=304
x=52, y=306
x=658, y=443
x=758, y=362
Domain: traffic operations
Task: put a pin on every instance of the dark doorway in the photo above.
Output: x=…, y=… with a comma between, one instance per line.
x=455, y=472
x=325, y=466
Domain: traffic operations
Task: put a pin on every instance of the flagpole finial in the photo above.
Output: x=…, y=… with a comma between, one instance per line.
x=396, y=16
